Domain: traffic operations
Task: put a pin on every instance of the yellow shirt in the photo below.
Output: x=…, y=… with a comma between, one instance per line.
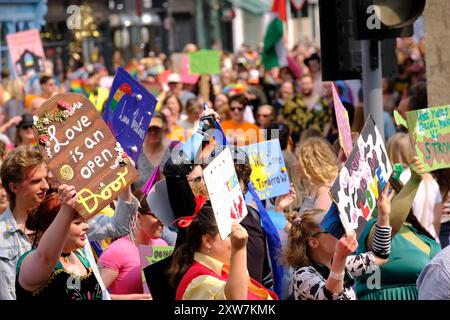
x=206, y=287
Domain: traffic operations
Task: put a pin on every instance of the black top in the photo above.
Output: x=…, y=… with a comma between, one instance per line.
x=63, y=285
x=258, y=262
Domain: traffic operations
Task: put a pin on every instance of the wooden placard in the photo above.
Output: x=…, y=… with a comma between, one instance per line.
x=80, y=150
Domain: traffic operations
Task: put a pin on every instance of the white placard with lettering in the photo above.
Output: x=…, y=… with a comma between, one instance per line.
x=224, y=192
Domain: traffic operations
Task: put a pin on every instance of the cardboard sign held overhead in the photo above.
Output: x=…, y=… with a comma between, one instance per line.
x=128, y=112
x=81, y=151
x=26, y=51
x=429, y=130
x=269, y=175
x=362, y=179
x=224, y=192
x=204, y=62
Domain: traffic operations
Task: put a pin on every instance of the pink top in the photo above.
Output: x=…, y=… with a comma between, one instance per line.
x=123, y=256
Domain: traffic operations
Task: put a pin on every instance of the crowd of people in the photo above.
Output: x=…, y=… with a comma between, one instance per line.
x=280, y=250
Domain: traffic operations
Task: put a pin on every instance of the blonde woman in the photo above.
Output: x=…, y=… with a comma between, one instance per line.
x=324, y=266
x=317, y=170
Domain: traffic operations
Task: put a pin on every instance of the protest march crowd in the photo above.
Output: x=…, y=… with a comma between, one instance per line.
x=359, y=216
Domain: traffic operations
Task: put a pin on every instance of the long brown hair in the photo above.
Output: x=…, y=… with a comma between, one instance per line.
x=203, y=223
x=296, y=253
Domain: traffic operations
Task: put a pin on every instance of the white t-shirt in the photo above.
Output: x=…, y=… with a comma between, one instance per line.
x=427, y=196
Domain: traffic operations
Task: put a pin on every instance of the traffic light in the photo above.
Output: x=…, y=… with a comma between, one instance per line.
x=382, y=19
x=342, y=25
x=340, y=52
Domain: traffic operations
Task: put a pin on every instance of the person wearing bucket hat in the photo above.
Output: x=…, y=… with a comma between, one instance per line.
x=155, y=149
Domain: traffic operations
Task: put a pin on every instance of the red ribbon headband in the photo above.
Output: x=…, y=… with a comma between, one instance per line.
x=184, y=222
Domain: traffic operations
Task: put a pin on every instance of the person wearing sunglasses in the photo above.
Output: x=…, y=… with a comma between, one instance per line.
x=24, y=133
x=324, y=267
x=265, y=116
x=238, y=131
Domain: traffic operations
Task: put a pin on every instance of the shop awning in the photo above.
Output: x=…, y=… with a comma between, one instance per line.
x=256, y=7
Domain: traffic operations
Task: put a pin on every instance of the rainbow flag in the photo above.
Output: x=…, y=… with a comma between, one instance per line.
x=132, y=69
x=234, y=88
x=124, y=89
x=76, y=86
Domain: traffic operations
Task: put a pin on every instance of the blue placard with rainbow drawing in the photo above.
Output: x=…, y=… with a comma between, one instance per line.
x=128, y=112
x=269, y=175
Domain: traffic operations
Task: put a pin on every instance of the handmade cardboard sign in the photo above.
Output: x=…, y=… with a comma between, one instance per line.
x=204, y=62
x=186, y=77
x=81, y=151
x=269, y=174
x=128, y=112
x=429, y=130
x=26, y=52
x=148, y=255
x=224, y=192
x=362, y=179
x=345, y=134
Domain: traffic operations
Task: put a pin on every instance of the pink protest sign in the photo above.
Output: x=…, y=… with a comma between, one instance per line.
x=345, y=135
x=26, y=51
x=186, y=77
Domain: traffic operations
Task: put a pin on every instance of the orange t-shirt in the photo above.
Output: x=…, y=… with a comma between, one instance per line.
x=241, y=134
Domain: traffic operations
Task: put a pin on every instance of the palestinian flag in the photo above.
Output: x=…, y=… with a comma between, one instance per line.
x=274, y=53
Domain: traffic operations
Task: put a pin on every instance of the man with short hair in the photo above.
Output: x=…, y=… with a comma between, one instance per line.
x=47, y=86
x=307, y=111
x=265, y=116
x=23, y=174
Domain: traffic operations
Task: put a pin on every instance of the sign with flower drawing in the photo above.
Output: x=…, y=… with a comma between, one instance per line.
x=80, y=150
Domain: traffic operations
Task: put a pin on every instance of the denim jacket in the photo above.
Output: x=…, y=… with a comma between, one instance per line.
x=14, y=243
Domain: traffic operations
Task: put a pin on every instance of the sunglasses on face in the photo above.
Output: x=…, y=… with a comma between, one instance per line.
x=26, y=127
x=263, y=115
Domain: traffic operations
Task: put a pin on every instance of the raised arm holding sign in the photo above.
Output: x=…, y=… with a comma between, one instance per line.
x=362, y=179
x=429, y=130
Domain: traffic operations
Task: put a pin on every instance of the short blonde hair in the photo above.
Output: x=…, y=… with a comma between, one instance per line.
x=318, y=159
x=399, y=149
